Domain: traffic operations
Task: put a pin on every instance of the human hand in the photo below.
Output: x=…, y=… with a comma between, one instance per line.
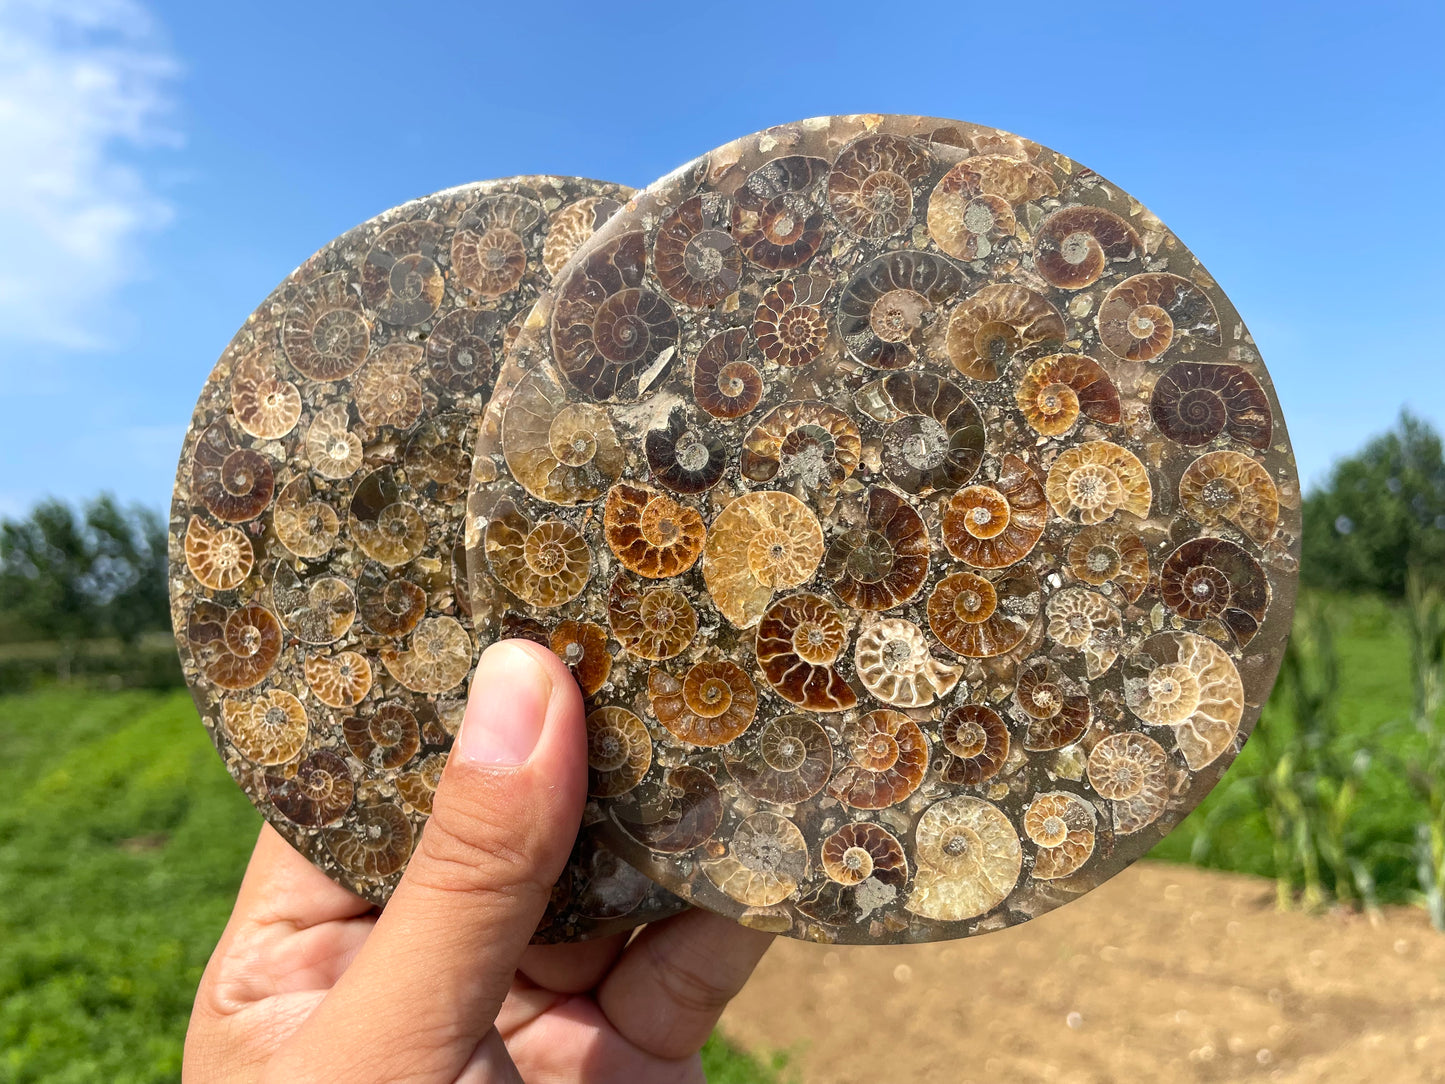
x=309, y=983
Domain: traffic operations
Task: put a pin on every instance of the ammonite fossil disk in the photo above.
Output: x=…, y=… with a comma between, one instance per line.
x=316, y=536
x=935, y=508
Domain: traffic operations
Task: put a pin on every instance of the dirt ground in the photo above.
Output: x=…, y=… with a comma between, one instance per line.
x=1165, y=974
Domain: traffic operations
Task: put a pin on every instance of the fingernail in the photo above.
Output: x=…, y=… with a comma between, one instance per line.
x=506, y=707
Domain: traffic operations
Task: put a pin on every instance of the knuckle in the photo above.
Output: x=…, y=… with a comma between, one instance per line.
x=687, y=986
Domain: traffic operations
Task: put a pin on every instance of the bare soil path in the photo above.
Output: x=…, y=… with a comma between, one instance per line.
x=1165, y=974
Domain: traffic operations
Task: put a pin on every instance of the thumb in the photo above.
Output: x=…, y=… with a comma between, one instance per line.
x=431, y=977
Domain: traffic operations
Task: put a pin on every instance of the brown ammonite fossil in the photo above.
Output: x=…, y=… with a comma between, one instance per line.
x=939, y=518
x=317, y=543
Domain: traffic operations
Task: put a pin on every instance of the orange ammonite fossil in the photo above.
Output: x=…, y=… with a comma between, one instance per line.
x=459, y=355
x=1057, y=708
x=652, y=534
x=687, y=814
x=1111, y=552
x=759, y=544
x=1212, y=578
x=1230, y=487
x=887, y=759
x=934, y=439
x=438, y=456
x=1088, y=622
x=385, y=391
x=724, y=382
x=333, y=449
x=234, y=483
x=1145, y=314
x=400, y=278
x=385, y=739
x=894, y=663
x=786, y=760
x=695, y=258
x=857, y=851
x=684, y=458
x=235, y=649
x=388, y=528
x=866, y=868
x=571, y=226
x=764, y=861
x=883, y=562
x=1187, y=682
x=969, y=859
x=656, y=623
x=980, y=617
x=789, y=326
x=971, y=209
x=307, y=527
x=607, y=328
x=583, y=647
x=265, y=405
x=338, y=681
x=710, y=705
x=1193, y=403
x=1074, y=246
x=1090, y=482
x=1061, y=825
x=439, y=659
x=619, y=752
x=546, y=565
x=318, y=791
x=977, y=740
x=870, y=189
x=269, y=729
x=324, y=334
x=994, y=526
x=1056, y=391
x=387, y=604
x=776, y=219
x=1131, y=770
x=221, y=557
x=805, y=444
x=888, y=305
x=418, y=786
x=316, y=611
x=489, y=247
x=376, y=844
x=560, y=451
x=799, y=639
x=997, y=324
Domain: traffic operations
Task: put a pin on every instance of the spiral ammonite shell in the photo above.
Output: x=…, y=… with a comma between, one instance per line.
x=900, y=454
x=320, y=515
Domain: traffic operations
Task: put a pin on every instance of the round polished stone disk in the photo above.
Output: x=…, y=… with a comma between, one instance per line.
x=316, y=532
x=932, y=507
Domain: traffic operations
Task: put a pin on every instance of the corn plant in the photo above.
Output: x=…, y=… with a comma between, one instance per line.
x=1425, y=605
x=1302, y=778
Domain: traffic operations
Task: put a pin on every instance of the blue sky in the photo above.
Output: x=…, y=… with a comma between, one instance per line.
x=164, y=164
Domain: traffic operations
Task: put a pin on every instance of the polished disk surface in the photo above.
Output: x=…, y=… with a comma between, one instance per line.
x=931, y=505
x=317, y=583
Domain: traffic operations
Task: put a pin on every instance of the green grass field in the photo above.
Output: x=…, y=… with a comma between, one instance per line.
x=122, y=841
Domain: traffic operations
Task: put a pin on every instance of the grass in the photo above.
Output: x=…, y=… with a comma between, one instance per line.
x=122, y=841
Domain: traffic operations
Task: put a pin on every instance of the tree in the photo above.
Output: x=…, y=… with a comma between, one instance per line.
x=70, y=576
x=1380, y=514
x=46, y=565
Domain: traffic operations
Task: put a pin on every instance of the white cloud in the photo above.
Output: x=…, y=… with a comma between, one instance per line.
x=83, y=85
